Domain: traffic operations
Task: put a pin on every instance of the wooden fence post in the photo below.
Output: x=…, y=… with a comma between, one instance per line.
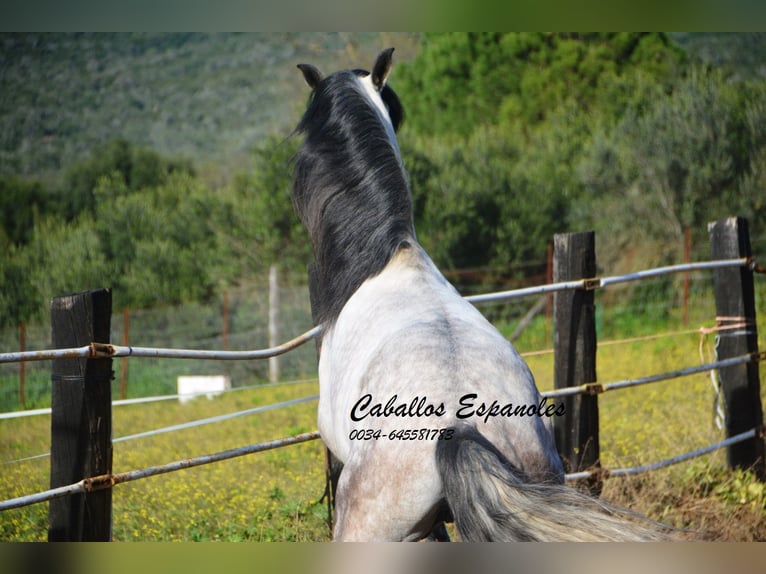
x=22, y=365
x=549, y=296
x=225, y=321
x=735, y=304
x=124, y=360
x=81, y=418
x=574, y=342
x=686, y=277
x=273, y=322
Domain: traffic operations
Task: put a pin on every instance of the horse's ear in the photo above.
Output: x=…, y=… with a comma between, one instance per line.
x=382, y=68
x=311, y=74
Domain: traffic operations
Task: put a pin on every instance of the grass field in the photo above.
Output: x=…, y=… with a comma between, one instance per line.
x=276, y=495
x=267, y=496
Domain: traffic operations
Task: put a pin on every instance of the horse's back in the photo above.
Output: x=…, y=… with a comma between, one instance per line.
x=406, y=337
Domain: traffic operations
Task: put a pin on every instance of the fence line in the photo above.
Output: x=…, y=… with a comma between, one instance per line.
x=101, y=350
x=641, y=338
x=596, y=282
x=193, y=424
x=606, y=473
x=156, y=398
x=47, y=411
x=597, y=388
x=109, y=351
x=588, y=389
x=109, y=480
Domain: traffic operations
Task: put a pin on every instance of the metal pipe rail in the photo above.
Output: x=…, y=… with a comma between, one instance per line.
x=597, y=388
x=109, y=480
x=588, y=388
x=156, y=398
x=192, y=424
x=606, y=473
x=105, y=350
x=596, y=282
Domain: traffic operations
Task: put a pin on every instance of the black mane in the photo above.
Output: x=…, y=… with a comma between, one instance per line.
x=349, y=189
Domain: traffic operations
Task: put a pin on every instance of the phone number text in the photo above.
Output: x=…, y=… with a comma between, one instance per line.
x=402, y=434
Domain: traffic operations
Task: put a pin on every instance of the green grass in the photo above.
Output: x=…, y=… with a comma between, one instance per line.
x=275, y=495
x=653, y=422
x=269, y=496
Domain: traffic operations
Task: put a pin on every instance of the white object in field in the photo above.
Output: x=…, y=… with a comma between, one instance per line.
x=190, y=387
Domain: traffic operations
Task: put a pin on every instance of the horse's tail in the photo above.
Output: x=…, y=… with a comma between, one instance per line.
x=491, y=500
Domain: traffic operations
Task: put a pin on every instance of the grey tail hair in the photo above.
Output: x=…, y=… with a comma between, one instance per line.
x=492, y=501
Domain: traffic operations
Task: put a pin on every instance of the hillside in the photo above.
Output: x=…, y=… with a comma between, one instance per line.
x=741, y=55
x=207, y=97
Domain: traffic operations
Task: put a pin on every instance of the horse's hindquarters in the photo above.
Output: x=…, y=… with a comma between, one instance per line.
x=388, y=491
x=407, y=360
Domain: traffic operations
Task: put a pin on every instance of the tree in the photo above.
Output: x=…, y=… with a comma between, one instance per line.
x=138, y=168
x=19, y=297
x=502, y=120
x=159, y=244
x=21, y=204
x=255, y=218
x=485, y=207
x=678, y=162
x=462, y=79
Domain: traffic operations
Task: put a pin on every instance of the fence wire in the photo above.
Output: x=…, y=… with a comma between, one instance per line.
x=103, y=350
x=588, y=388
x=157, y=398
x=606, y=473
x=97, y=350
x=597, y=388
x=596, y=282
x=192, y=424
x=110, y=480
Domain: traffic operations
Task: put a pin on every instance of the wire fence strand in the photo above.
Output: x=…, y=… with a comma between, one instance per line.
x=110, y=480
x=741, y=437
x=193, y=424
x=100, y=350
x=596, y=388
x=158, y=398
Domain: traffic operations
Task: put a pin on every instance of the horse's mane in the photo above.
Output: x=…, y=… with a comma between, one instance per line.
x=350, y=188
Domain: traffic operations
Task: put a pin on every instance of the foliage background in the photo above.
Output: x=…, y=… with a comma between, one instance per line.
x=159, y=164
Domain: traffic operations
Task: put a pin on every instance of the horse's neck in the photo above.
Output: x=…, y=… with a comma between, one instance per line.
x=409, y=280
x=357, y=240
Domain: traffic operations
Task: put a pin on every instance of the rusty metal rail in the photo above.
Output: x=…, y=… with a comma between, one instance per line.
x=110, y=480
x=107, y=351
x=600, y=282
x=103, y=350
x=597, y=388
x=606, y=473
x=191, y=424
